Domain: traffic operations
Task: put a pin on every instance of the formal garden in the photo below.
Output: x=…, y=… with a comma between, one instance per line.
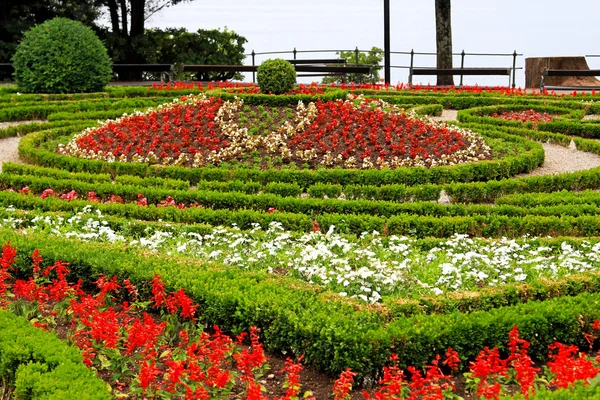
x=175, y=240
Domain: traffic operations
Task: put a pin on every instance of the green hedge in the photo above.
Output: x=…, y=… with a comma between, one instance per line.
x=569, y=123
x=334, y=333
x=60, y=175
x=38, y=365
x=22, y=129
x=486, y=192
x=552, y=199
x=129, y=188
x=428, y=109
x=478, y=192
x=43, y=110
x=494, y=297
x=400, y=224
x=483, y=115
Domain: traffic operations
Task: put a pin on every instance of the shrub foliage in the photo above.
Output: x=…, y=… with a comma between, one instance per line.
x=61, y=56
x=276, y=76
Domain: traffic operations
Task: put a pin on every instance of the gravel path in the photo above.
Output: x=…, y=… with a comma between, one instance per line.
x=558, y=159
x=447, y=115
x=9, y=147
x=561, y=159
x=9, y=150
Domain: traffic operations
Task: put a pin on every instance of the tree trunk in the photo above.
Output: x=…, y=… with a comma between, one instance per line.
x=443, y=36
x=124, y=27
x=113, y=10
x=137, y=17
x=137, y=10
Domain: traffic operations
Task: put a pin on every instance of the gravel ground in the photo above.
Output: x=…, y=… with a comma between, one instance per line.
x=591, y=117
x=564, y=159
x=9, y=150
x=9, y=146
x=558, y=159
x=447, y=115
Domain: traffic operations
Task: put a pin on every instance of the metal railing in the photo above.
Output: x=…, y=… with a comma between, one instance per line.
x=463, y=55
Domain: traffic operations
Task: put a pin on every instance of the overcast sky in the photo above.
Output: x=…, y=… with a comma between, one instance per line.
x=532, y=27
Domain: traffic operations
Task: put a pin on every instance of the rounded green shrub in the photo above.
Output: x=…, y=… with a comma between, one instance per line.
x=276, y=76
x=61, y=56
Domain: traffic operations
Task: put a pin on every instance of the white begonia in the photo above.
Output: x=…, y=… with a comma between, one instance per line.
x=361, y=268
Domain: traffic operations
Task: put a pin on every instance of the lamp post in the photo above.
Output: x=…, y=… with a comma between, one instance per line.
x=386, y=40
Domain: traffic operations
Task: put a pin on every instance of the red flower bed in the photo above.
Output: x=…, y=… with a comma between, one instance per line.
x=166, y=354
x=367, y=136
x=310, y=89
x=356, y=133
x=237, y=87
x=525, y=116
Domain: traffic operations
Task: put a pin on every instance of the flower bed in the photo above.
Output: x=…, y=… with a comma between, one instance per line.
x=357, y=133
x=372, y=268
x=525, y=116
x=166, y=354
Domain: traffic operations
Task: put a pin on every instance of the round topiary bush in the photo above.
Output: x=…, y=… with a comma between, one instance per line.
x=61, y=56
x=276, y=76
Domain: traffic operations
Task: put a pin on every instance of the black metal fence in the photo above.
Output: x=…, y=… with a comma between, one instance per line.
x=409, y=56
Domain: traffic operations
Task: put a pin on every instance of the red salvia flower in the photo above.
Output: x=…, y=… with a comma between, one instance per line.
x=343, y=385
x=158, y=291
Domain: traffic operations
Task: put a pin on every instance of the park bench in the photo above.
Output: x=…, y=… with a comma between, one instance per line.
x=6, y=68
x=318, y=61
x=166, y=70
x=6, y=72
x=459, y=71
x=569, y=72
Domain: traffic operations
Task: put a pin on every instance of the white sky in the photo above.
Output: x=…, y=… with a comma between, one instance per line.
x=532, y=27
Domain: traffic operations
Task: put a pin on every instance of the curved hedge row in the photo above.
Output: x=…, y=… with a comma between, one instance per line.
x=129, y=190
x=332, y=332
x=38, y=365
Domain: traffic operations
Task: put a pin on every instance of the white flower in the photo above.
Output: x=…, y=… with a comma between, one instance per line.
x=520, y=277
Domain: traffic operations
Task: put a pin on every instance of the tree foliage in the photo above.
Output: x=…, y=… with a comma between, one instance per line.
x=373, y=57
x=178, y=46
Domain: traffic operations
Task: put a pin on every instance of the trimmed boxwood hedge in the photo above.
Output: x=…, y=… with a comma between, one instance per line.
x=38, y=365
x=333, y=332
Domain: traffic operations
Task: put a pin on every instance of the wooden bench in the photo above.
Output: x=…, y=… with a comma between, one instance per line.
x=318, y=61
x=166, y=70
x=6, y=67
x=459, y=71
x=569, y=72
x=299, y=65
x=6, y=72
